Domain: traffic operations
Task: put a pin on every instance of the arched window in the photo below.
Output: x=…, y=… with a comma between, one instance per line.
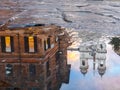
x=101, y=65
x=83, y=63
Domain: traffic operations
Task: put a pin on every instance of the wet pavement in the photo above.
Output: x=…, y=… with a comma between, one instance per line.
x=81, y=15
x=88, y=20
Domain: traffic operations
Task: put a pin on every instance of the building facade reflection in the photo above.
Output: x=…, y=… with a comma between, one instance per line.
x=33, y=58
x=94, y=52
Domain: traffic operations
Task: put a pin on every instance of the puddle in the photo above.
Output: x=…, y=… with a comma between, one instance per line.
x=89, y=72
x=89, y=20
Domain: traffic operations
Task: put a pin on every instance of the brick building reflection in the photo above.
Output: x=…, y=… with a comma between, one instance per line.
x=33, y=58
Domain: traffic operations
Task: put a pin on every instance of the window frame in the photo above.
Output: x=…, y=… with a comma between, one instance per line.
x=4, y=42
x=9, y=67
x=27, y=44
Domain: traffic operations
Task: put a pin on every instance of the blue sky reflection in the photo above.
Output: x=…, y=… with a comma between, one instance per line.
x=92, y=80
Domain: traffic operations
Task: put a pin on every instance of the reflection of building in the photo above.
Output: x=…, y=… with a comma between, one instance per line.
x=33, y=58
x=95, y=51
x=101, y=67
x=83, y=66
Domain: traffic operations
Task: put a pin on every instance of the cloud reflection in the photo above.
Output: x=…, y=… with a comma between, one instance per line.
x=92, y=80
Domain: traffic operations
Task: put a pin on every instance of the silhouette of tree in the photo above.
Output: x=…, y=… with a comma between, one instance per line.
x=115, y=42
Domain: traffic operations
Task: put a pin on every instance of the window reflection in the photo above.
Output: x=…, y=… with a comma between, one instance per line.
x=30, y=44
x=49, y=75
x=9, y=70
x=38, y=61
x=7, y=44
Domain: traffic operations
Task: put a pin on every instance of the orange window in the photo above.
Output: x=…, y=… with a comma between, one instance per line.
x=8, y=44
x=31, y=44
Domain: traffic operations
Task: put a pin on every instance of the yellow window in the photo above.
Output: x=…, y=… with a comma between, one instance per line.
x=31, y=44
x=8, y=44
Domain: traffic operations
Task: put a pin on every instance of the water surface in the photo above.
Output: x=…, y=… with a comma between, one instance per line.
x=92, y=80
x=90, y=19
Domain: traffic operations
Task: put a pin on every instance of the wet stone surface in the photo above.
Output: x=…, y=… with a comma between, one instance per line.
x=89, y=21
x=90, y=15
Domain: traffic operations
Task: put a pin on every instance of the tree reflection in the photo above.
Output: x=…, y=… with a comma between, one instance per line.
x=115, y=41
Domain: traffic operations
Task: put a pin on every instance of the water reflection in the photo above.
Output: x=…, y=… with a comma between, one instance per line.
x=105, y=64
x=52, y=81
x=45, y=80
x=94, y=52
x=115, y=42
